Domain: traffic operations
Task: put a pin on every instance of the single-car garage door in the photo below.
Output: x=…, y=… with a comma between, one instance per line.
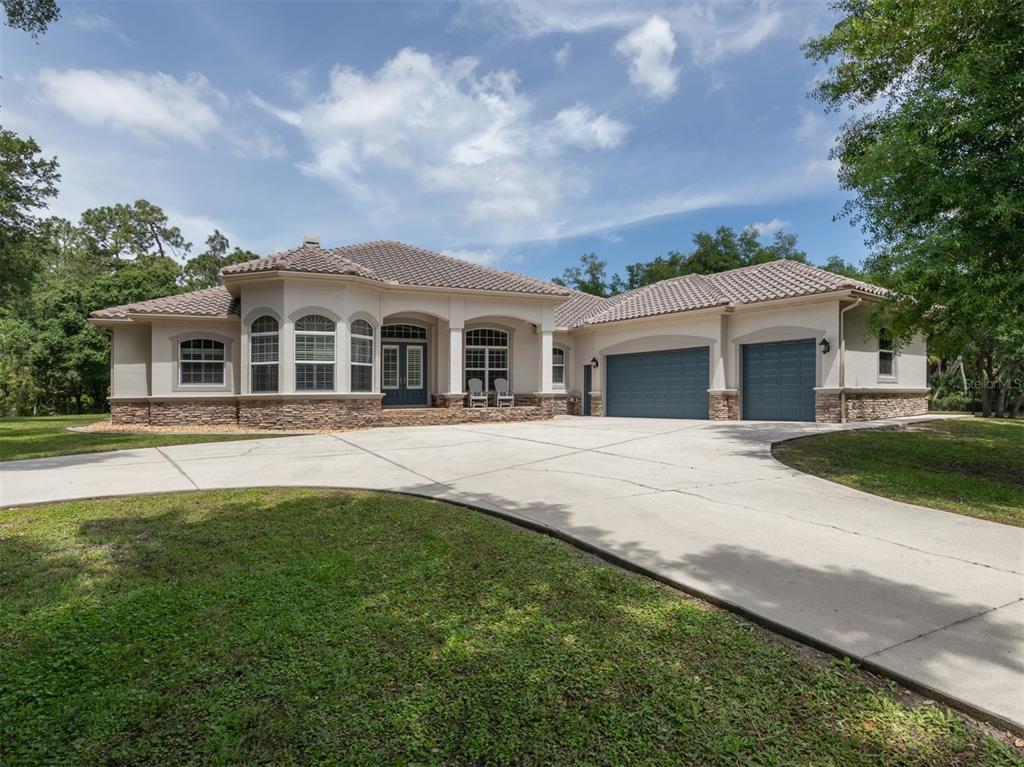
x=669, y=384
x=778, y=381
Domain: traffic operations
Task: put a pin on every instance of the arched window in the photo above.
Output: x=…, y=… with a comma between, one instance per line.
x=486, y=356
x=361, y=332
x=558, y=366
x=263, y=354
x=886, y=354
x=201, y=362
x=314, y=353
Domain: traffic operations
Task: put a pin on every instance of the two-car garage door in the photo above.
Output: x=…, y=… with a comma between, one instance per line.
x=665, y=384
x=778, y=382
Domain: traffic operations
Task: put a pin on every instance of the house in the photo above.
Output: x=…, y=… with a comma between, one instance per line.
x=385, y=332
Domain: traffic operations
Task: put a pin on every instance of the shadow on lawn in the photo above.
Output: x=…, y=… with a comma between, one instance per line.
x=264, y=543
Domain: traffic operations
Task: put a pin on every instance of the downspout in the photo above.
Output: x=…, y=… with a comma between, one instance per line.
x=842, y=358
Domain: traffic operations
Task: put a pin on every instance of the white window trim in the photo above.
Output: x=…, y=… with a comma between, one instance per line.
x=276, y=363
x=487, y=357
x=181, y=362
x=564, y=364
x=352, y=363
x=886, y=377
x=333, y=363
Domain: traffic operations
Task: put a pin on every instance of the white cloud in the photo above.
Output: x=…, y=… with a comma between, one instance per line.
x=578, y=126
x=429, y=134
x=562, y=56
x=768, y=228
x=95, y=22
x=484, y=257
x=650, y=48
x=257, y=145
x=195, y=228
x=147, y=105
x=717, y=32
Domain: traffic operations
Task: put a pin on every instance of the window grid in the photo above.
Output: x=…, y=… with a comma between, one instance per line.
x=558, y=366
x=314, y=353
x=201, y=362
x=886, y=354
x=486, y=356
x=264, y=351
x=361, y=356
x=402, y=330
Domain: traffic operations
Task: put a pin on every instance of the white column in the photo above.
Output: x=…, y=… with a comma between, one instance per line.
x=547, y=344
x=455, y=360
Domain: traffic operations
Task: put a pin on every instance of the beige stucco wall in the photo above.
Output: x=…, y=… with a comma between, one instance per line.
x=911, y=363
x=129, y=358
x=165, y=335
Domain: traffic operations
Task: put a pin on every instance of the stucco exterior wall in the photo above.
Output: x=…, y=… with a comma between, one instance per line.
x=165, y=336
x=911, y=362
x=129, y=361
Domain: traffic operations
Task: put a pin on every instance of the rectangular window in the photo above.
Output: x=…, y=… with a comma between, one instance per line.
x=314, y=362
x=362, y=378
x=389, y=367
x=886, y=354
x=264, y=379
x=201, y=362
x=264, y=348
x=414, y=367
x=309, y=377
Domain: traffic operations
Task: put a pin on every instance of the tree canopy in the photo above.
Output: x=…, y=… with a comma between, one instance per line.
x=934, y=154
x=32, y=16
x=725, y=249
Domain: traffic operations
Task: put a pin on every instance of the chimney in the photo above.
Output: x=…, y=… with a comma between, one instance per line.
x=311, y=240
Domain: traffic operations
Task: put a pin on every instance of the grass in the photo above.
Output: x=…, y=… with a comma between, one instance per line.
x=316, y=627
x=973, y=467
x=45, y=436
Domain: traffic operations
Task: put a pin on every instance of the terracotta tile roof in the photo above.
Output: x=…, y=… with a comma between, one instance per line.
x=783, y=279
x=747, y=285
x=210, y=302
x=398, y=263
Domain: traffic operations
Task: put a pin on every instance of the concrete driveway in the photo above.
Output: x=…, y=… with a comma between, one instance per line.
x=927, y=595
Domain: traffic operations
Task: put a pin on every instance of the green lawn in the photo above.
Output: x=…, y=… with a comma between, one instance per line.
x=46, y=436
x=973, y=467
x=316, y=627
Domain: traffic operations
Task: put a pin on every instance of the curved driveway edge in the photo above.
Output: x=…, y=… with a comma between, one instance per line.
x=931, y=598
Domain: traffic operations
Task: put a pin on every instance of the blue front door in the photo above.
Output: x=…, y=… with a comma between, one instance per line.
x=403, y=374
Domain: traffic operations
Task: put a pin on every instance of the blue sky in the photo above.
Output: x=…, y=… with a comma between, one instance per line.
x=513, y=133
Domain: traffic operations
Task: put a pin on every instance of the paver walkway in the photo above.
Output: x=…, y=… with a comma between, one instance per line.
x=928, y=595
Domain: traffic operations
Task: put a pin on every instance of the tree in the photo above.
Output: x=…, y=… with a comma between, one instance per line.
x=203, y=270
x=27, y=182
x=590, y=276
x=139, y=230
x=32, y=16
x=934, y=154
x=718, y=252
x=838, y=265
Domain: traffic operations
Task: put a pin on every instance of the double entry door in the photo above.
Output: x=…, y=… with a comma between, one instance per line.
x=404, y=374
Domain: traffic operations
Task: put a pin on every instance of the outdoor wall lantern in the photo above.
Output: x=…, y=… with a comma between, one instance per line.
x=593, y=363
x=824, y=344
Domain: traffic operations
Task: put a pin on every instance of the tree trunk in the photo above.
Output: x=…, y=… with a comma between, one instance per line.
x=986, y=394
x=1004, y=390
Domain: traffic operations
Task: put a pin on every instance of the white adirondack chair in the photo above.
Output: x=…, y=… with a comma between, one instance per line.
x=504, y=396
x=477, y=395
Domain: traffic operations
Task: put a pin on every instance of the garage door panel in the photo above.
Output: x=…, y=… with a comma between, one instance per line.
x=778, y=381
x=666, y=384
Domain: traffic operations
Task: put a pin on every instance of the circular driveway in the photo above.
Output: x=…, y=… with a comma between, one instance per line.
x=927, y=595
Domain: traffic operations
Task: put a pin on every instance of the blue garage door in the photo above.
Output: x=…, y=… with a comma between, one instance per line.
x=671, y=384
x=778, y=381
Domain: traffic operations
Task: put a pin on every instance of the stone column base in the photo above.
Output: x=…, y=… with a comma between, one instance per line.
x=596, y=404
x=448, y=400
x=723, y=405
